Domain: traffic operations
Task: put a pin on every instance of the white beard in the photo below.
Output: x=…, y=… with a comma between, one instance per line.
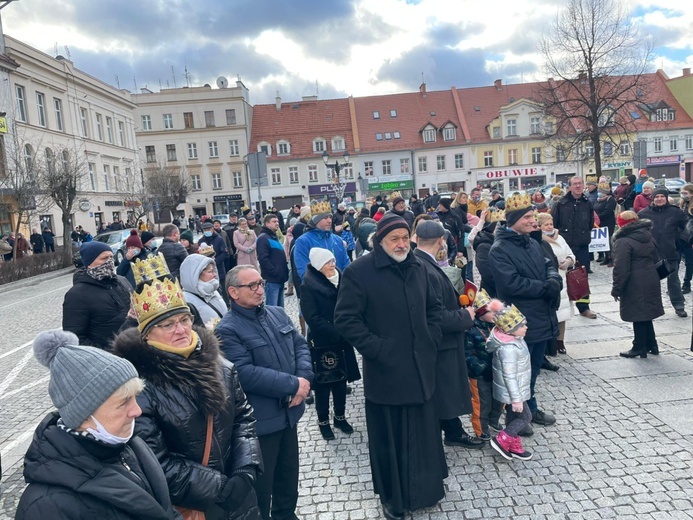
x=399, y=257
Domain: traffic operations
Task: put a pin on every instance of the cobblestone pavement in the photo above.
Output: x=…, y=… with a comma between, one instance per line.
x=621, y=447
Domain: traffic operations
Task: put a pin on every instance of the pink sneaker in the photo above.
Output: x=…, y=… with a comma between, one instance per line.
x=503, y=443
x=516, y=449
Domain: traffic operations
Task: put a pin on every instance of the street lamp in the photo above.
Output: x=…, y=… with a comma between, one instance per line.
x=337, y=167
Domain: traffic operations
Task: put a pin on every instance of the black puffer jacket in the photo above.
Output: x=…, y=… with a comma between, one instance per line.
x=574, y=219
x=521, y=271
x=606, y=211
x=635, y=279
x=667, y=223
x=318, y=300
x=178, y=396
x=76, y=477
x=95, y=309
x=482, y=246
x=174, y=253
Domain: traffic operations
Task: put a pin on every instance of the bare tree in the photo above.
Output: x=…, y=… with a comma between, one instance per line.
x=167, y=187
x=597, y=62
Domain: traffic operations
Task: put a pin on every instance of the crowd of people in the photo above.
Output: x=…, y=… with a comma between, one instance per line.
x=179, y=379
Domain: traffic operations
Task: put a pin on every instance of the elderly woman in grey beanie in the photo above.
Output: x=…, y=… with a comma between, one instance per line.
x=83, y=460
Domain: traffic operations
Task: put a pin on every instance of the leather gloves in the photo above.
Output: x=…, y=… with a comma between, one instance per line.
x=235, y=492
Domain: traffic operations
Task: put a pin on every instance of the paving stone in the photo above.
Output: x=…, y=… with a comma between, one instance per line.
x=652, y=365
x=656, y=389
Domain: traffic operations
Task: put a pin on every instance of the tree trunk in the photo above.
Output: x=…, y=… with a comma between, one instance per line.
x=16, y=234
x=67, y=241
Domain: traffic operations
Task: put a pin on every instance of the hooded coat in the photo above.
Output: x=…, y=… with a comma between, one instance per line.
x=95, y=309
x=209, y=303
x=314, y=237
x=512, y=369
x=635, y=280
x=178, y=396
x=72, y=477
x=667, y=224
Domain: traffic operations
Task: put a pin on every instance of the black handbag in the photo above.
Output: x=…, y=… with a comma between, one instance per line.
x=328, y=364
x=662, y=269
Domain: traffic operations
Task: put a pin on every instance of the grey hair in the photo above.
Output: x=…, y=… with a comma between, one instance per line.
x=130, y=388
x=232, y=276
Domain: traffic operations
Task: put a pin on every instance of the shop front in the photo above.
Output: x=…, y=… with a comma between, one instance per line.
x=508, y=180
x=226, y=204
x=613, y=171
x=668, y=166
x=382, y=188
x=321, y=192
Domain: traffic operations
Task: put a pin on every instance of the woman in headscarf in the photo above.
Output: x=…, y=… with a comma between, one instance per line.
x=192, y=394
x=200, y=281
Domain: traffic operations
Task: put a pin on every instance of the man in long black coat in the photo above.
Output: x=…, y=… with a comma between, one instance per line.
x=452, y=396
x=389, y=311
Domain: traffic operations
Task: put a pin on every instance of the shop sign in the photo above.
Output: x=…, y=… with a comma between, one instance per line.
x=230, y=196
x=132, y=203
x=508, y=173
x=325, y=189
x=667, y=159
x=84, y=205
x=113, y=203
x=389, y=186
x=619, y=164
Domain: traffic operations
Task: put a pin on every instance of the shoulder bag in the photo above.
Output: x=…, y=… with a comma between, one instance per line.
x=194, y=514
x=577, y=282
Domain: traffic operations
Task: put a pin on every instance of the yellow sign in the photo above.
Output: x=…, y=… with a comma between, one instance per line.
x=3, y=125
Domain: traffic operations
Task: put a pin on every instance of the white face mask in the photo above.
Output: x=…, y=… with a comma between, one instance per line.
x=208, y=289
x=103, y=435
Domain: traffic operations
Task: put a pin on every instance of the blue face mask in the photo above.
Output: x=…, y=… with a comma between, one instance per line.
x=208, y=233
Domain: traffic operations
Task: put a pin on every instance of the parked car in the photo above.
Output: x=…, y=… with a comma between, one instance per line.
x=673, y=185
x=223, y=218
x=115, y=239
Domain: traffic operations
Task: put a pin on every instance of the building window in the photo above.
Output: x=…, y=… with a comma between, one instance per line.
x=192, y=150
x=188, y=120
x=560, y=154
x=376, y=114
x=536, y=155
x=121, y=133
x=673, y=145
x=233, y=145
x=312, y=173
x=171, y=152
x=109, y=129
x=338, y=144
x=41, y=109
x=264, y=148
x=318, y=146
x=423, y=164
x=209, y=118
x=534, y=125
x=608, y=149
x=216, y=181
x=459, y=161
x=440, y=162
x=512, y=156
x=429, y=135
x=404, y=166
x=128, y=176
x=146, y=123
x=99, y=127
x=150, y=153
x=388, y=136
x=657, y=144
x=237, y=179
x=20, y=97
x=387, y=167
x=488, y=158
x=689, y=142
x=589, y=150
x=293, y=174
x=168, y=121
x=396, y=135
x=195, y=182
x=496, y=132
x=213, y=149
x=230, y=116
x=548, y=128
x=58, y=106
x=85, y=124
x=348, y=171
x=368, y=168
x=378, y=136
x=106, y=177
x=449, y=133
x=276, y=176
x=624, y=148
x=283, y=149
x=28, y=158
x=393, y=113
x=92, y=177
x=116, y=178
x=664, y=114
x=511, y=127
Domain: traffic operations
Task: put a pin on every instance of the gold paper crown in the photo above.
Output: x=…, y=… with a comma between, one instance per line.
x=482, y=300
x=320, y=207
x=509, y=318
x=495, y=215
x=150, y=269
x=518, y=202
x=157, y=298
x=395, y=194
x=604, y=186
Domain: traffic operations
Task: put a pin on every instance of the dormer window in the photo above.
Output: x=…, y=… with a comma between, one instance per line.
x=664, y=114
x=376, y=114
x=265, y=147
x=393, y=113
x=449, y=133
x=283, y=148
x=319, y=146
x=338, y=144
x=429, y=135
x=606, y=117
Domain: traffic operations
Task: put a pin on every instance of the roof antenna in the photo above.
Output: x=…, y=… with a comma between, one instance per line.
x=117, y=81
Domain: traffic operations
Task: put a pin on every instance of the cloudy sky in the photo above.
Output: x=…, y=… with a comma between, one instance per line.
x=333, y=48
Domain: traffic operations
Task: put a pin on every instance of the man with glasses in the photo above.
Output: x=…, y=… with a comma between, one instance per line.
x=274, y=368
x=272, y=260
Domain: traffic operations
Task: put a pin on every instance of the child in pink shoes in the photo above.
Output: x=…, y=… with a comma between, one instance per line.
x=512, y=371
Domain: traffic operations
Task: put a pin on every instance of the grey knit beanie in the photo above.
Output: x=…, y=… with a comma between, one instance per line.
x=82, y=378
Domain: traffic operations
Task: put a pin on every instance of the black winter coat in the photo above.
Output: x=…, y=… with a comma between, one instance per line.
x=482, y=246
x=574, y=219
x=407, y=215
x=271, y=257
x=79, y=478
x=606, y=211
x=452, y=397
x=452, y=223
x=178, y=396
x=338, y=218
x=318, y=301
x=95, y=309
x=221, y=253
x=521, y=271
x=391, y=314
x=375, y=207
x=635, y=279
x=174, y=253
x=667, y=223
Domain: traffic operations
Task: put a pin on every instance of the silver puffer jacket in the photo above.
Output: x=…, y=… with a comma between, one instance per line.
x=512, y=369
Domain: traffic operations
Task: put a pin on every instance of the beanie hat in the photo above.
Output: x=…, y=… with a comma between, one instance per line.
x=445, y=202
x=134, y=240
x=623, y=180
x=91, y=250
x=187, y=235
x=319, y=257
x=660, y=191
x=82, y=378
x=378, y=199
x=246, y=212
x=429, y=229
x=147, y=236
x=648, y=184
x=556, y=190
x=209, y=225
x=305, y=212
x=626, y=217
x=397, y=200
x=315, y=219
x=388, y=223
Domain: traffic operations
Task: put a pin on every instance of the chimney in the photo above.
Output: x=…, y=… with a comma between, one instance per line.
x=278, y=101
x=687, y=71
x=498, y=84
x=422, y=88
x=582, y=75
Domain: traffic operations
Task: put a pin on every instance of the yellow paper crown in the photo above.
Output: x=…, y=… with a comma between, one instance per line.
x=495, y=215
x=395, y=194
x=604, y=186
x=157, y=298
x=509, y=318
x=518, y=202
x=320, y=207
x=149, y=269
x=482, y=300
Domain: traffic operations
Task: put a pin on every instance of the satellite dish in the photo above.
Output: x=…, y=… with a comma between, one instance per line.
x=222, y=82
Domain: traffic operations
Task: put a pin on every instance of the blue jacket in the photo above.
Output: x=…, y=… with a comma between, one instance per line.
x=271, y=257
x=270, y=356
x=319, y=238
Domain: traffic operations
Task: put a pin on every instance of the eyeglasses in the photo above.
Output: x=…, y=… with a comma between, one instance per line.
x=331, y=262
x=170, y=326
x=253, y=286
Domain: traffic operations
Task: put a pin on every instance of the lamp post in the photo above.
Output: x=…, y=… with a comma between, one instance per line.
x=337, y=167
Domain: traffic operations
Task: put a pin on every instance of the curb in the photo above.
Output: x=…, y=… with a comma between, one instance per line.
x=35, y=280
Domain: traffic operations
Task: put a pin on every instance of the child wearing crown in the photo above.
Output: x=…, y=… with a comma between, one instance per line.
x=511, y=375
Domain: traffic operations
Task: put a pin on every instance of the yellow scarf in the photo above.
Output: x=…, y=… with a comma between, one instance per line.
x=185, y=352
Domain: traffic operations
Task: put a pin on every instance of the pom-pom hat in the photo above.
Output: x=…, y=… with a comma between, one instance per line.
x=82, y=378
x=134, y=240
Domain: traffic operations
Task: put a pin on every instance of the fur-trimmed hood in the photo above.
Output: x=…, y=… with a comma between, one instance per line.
x=200, y=377
x=640, y=230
